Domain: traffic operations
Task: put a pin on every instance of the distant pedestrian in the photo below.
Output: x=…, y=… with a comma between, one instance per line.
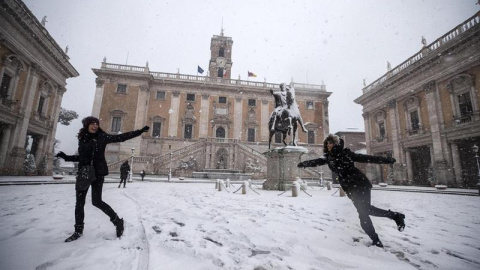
x=92, y=139
x=124, y=170
x=355, y=184
x=142, y=174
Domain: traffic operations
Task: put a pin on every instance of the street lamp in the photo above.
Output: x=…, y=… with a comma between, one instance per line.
x=170, y=168
x=475, y=149
x=131, y=170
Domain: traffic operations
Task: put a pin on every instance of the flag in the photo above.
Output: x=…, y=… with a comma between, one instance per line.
x=251, y=74
x=200, y=70
x=225, y=74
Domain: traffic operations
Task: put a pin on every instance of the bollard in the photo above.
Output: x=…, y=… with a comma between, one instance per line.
x=342, y=193
x=295, y=189
x=250, y=182
x=216, y=184
x=228, y=183
x=245, y=187
x=220, y=182
x=329, y=185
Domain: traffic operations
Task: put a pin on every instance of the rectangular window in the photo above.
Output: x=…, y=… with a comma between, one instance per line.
x=415, y=122
x=222, y=99
x=157, y=127
x=190, y=97
x=188, y=131
x=311, y=137
x=41, y=103
x=465, y=104
x=160, y=95
x=121, y=88
x=309, y=105
x=381, y=130
x=251, y=135
x=116, y=124
x=5, y=85
x=252, y=102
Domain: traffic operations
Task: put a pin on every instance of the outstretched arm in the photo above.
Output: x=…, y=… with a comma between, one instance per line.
x=125, y=136
x=312, y=163
x=74, y=158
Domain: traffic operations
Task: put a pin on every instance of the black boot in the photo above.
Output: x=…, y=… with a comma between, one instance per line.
x=376, y=242
x=399, y=218
x=118, y=222
x=78, y=232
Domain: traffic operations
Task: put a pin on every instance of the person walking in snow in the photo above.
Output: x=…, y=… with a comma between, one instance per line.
x=124, y=170
x=92, y=139
x=356, y=185
x=142, y=174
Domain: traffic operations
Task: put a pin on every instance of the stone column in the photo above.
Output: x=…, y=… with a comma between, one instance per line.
x=237, y=118
x=50, y=139
x=264, y=118
x=442, y=171
x=408, y=160
x=204, y=121
x=173, y=119
x=457, y=165
x=20, y=132
x=398, y=168
x=97, y=101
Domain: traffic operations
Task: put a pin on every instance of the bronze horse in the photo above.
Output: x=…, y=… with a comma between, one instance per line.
x=286, y=115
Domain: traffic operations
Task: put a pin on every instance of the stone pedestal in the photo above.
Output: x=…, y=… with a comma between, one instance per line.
x=282, y=167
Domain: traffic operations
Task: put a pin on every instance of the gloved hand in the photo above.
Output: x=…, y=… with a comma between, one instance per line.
x=391, y=160
x=61, y=155
x=145, y=129
x=301, y=165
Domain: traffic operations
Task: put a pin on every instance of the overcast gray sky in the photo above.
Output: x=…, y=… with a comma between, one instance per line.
x=337, y=42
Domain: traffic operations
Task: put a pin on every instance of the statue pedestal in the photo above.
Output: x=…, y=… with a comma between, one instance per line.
x=282, y=167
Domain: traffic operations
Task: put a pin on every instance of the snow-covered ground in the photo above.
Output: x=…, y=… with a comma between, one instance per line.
x=194, y=226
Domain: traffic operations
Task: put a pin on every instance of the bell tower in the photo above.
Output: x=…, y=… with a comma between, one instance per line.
x=220, y=56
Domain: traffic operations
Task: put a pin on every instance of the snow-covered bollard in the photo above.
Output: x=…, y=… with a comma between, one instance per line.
x=329, y=185
x=304, y=185
x=249, y=182
x=216, y=183
x=295, y=189
x=342, y=192
x=228, y=183
x=245, y=187
x=220, y=184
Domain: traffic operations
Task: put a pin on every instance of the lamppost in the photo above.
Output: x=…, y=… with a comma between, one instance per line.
x=131, y=169
x=170, y=168
x=475, y=149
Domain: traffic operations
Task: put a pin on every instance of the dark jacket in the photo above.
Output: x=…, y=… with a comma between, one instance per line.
x=341, y=161
x=97, y=142
x=124, y=169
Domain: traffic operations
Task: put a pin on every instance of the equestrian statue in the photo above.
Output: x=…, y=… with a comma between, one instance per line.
x=286, y=115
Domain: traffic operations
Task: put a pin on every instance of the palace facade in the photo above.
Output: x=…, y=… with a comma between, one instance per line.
x=33, y=74
x=219, y=122
x=426, y=111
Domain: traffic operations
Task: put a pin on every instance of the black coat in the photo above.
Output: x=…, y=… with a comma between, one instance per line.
x=341, y=161
x=124, y=169
x=96, y=143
